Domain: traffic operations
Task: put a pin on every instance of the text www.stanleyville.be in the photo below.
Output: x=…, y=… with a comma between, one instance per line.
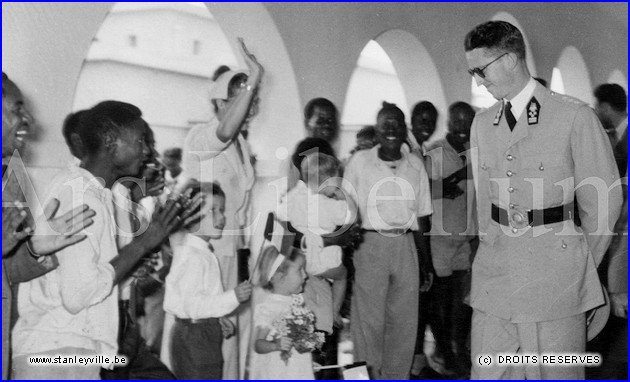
x=78, y=360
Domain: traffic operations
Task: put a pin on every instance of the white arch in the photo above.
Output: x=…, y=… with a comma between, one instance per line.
x=416, y=72
x=529, y=57
x=575, y=75
x=617, y=77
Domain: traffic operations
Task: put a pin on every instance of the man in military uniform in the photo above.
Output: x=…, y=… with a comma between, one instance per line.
x=535, y=273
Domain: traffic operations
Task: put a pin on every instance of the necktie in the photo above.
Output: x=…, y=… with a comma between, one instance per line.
x=509, y=117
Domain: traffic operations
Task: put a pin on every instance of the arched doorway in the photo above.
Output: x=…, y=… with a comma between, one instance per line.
x=575, y=75
x=394, y=67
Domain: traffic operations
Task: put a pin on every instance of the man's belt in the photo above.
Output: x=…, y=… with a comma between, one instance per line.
x=533, y=218
x=192, y=321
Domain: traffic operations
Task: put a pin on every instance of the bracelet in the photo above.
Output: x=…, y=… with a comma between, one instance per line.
x=249, y=87
x=31, y=251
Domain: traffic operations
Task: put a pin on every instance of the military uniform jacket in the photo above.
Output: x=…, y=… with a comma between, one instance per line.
x=526, y=274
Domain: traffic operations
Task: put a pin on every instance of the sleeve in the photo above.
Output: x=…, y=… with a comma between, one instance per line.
x=22, y=267
x=423, y=192
x=202, y=144
x=198, y=302
x=598, y=187
x=86, y=277
x=482, y=202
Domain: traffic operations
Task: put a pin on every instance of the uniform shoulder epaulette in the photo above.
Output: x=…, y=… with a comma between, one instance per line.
x=567, y=99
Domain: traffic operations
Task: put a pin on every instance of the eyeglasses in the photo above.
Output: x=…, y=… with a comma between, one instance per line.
x=480, y=70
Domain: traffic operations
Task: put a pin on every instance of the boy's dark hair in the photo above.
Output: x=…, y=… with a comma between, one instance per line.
x=206, y=188
x=424, y=106
x=392, y=108
x=71, y=126
x=310, y=145
x=103, y=124
x=309, y=109
x=496, y=35
x=174, y=153
x=612, y=94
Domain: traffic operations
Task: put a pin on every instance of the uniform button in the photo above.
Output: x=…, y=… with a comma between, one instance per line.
x=514, y=230
x=564, y=245
x=541, y=168
x=510, y=189
x=509, y=173
x=509, y=157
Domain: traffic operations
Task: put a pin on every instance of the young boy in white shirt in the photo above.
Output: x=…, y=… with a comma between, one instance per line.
x=195, y=295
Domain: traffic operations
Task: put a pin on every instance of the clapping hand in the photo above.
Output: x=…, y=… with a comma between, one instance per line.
x=12, y=234
x=164, y=221
x=53, y=234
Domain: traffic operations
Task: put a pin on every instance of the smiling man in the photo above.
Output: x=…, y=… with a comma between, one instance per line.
x=531, y=281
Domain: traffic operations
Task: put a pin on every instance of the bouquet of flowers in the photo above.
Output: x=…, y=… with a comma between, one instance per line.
x=298, y=325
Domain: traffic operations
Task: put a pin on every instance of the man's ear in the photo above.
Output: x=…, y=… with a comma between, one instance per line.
x=513, y=59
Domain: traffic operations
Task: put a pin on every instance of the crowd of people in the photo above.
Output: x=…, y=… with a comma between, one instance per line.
x=492, y=236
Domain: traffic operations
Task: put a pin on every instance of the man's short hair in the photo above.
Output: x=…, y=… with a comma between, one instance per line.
x=463, y=107
x=105, y=122
x=424, y=106
x=318, y=167
x=612, y=94
x=496, y=35
x=174, y=153
x=309, y=109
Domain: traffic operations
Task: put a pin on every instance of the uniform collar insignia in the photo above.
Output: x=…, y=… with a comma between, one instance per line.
x=497, y=118
x=533, y=111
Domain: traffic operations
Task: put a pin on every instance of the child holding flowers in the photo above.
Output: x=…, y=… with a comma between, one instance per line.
x=284, y=331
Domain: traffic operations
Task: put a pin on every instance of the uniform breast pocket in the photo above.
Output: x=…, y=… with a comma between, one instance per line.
x=546, y=165
x=550, y=172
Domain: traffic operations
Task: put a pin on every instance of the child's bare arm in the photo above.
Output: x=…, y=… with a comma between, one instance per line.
x=262, y=346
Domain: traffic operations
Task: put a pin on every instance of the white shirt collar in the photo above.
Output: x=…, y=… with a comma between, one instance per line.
x=520, y=101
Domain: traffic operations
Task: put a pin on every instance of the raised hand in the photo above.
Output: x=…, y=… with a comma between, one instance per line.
x=53, y=234
x=12, y=235
x=256, y=70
